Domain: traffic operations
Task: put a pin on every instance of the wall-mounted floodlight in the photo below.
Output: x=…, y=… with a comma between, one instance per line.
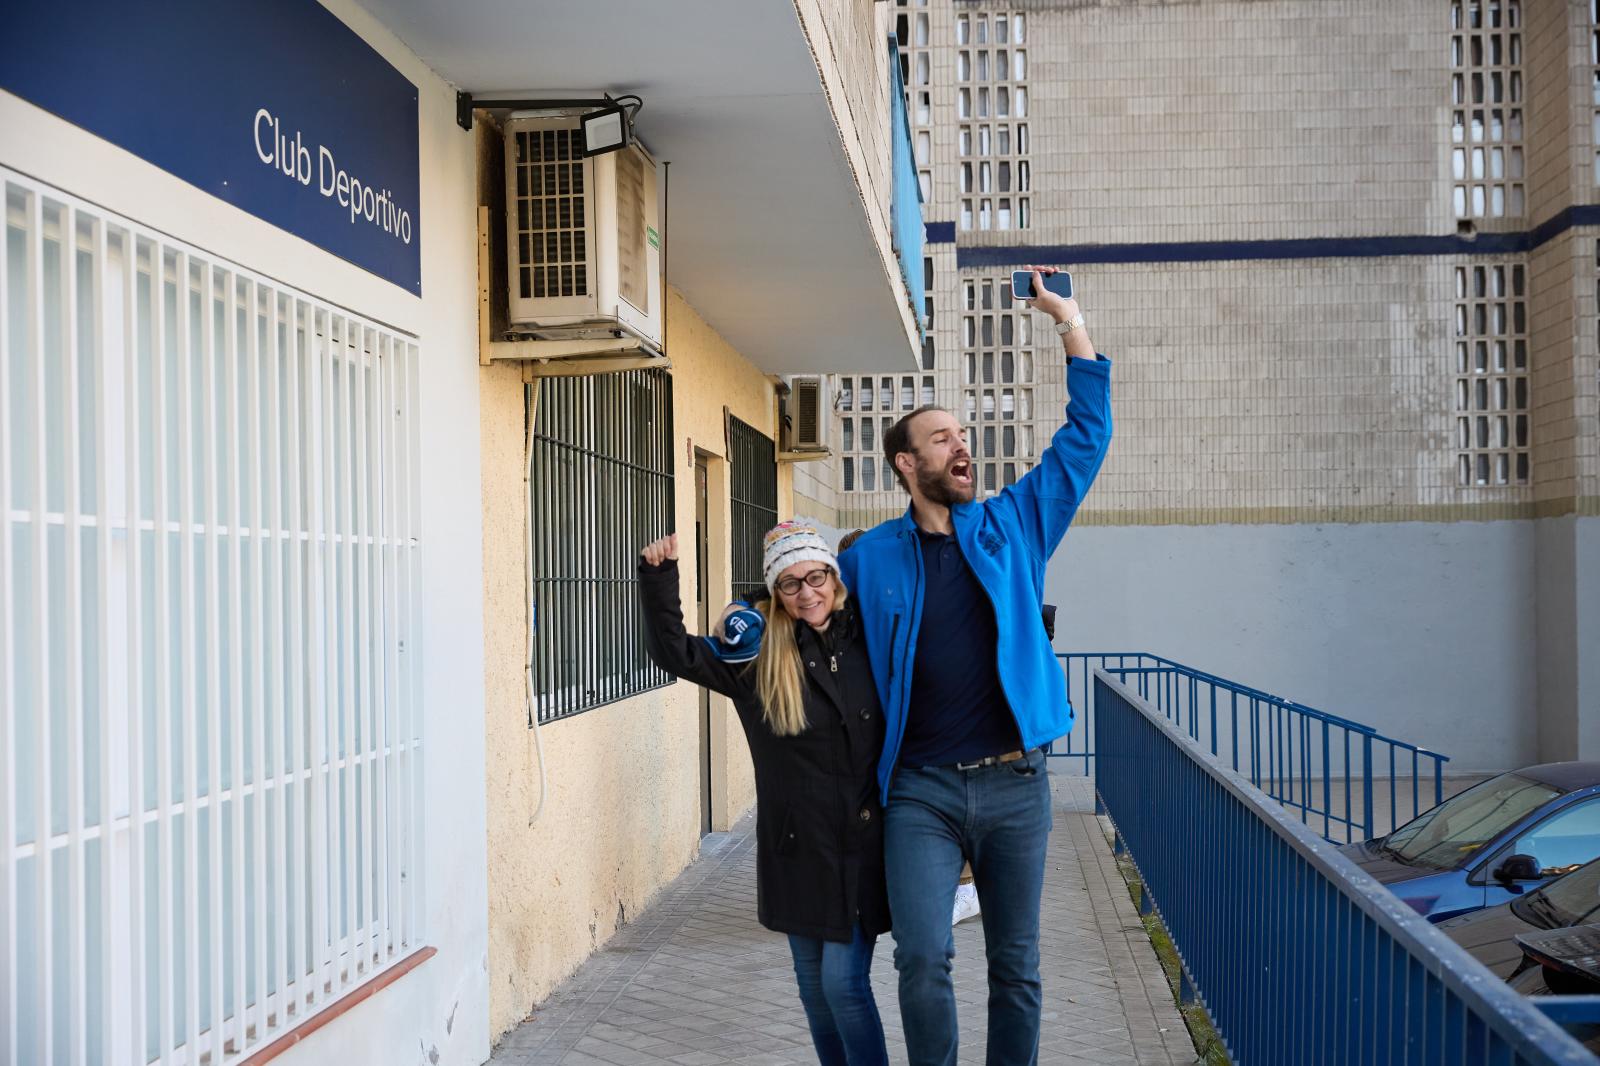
x=606, y=130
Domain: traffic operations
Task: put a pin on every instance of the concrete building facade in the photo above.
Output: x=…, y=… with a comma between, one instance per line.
x=1345, y=260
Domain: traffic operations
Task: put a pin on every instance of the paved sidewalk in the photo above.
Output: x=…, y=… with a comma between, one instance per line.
x=695, y=981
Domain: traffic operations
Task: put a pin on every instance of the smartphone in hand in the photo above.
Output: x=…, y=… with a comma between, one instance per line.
x=1059, y=283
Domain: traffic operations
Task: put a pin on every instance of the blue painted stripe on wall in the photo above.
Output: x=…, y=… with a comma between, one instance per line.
x=940, y=232
x=1301, y=248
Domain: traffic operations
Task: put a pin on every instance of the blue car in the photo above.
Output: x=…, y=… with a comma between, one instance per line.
x=1492, y=843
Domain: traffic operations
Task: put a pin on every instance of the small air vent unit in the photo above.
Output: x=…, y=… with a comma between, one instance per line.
x=583, y=243
x=806, y=415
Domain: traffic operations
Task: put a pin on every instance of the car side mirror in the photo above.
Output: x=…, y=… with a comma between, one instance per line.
x=1517, y=868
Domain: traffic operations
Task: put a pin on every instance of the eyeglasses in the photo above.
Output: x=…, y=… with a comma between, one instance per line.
x=790, y=585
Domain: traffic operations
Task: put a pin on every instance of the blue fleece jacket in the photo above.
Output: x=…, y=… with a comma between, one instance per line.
x=1007, y=540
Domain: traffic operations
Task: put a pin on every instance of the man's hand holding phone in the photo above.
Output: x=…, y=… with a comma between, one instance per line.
x=1047, y=297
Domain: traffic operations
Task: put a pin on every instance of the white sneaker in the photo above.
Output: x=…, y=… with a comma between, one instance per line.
x=966, y=904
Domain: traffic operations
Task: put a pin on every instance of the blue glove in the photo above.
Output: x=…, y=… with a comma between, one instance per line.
x=741, y=639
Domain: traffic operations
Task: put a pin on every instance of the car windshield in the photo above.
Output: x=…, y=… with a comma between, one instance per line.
x=1570, y=900
x=1450, y=834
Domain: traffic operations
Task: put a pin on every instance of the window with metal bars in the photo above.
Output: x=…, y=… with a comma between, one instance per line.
x=753, y=496
x=209, y=805
x=601, y=487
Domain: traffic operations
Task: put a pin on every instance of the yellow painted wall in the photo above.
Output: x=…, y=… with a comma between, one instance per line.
x=622, y=813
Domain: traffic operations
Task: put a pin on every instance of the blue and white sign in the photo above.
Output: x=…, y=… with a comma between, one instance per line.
x=272, y=105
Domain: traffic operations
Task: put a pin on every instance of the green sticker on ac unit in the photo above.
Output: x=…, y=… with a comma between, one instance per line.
x=652, y=236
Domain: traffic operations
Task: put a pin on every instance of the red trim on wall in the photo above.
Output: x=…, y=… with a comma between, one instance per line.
x=341, y=1006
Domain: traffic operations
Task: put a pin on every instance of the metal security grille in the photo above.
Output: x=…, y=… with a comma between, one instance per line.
x=551, y=212
x=754, y=499
x=210, y=752
x=602, y=488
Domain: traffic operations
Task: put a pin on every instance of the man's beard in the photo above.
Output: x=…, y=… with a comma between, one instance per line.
x=939, y=487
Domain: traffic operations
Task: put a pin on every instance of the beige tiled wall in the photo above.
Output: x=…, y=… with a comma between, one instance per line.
x=1556, y=42
x=1284, y=390
x=1293, y=391
x=1556, y=268
x=1239, y=121
x=1566, y=373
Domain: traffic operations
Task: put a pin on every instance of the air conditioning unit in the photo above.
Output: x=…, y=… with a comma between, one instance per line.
x=805, y=416
x=583, y=241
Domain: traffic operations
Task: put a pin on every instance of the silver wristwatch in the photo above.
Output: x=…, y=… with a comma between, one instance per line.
x=1075, y=322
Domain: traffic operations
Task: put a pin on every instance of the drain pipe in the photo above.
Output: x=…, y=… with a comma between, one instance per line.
x=531, y=405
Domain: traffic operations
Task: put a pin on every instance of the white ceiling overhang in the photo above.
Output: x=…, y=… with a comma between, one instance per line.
x=769, y=237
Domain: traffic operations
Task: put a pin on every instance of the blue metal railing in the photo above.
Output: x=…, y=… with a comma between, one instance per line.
x=1319, y=765
x=1296, y=954
x=906, y=204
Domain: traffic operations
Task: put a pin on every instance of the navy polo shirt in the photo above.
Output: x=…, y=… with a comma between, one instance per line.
x=958, y=709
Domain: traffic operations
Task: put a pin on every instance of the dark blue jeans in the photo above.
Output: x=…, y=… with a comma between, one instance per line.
x=836, y=991
x=998, y=818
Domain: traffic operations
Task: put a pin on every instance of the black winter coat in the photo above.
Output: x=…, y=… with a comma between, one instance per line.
x=819, y=828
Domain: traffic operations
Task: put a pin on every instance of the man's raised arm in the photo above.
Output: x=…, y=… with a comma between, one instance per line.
x=1046, y=497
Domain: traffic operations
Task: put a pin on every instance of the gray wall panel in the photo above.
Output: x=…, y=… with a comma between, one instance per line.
x=1425, y=631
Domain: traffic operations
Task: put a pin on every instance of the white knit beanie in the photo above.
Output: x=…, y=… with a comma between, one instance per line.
x=788, y=543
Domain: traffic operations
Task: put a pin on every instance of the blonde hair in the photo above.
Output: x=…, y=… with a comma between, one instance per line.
x=779, y=680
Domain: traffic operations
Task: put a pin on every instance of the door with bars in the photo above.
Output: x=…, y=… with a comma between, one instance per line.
x=210, y=757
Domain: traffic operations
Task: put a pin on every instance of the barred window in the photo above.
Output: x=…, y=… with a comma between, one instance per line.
x=601, y=488
x=753, y=495
x=211, y=562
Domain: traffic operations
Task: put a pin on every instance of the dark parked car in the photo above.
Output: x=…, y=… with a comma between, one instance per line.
x=1543, y=943
x=1490, y=935
x=1493, y=843
x=1563, y=962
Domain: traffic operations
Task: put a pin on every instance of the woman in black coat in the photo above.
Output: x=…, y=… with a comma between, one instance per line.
x=810, y=713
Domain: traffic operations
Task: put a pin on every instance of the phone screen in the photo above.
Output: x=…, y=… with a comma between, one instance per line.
x=1059, y=283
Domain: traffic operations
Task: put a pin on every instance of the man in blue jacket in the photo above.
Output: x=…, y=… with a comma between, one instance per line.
x=949, y=597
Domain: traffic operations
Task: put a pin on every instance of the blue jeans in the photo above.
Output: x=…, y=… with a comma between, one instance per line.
x=836, y=991
x=998, y=818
